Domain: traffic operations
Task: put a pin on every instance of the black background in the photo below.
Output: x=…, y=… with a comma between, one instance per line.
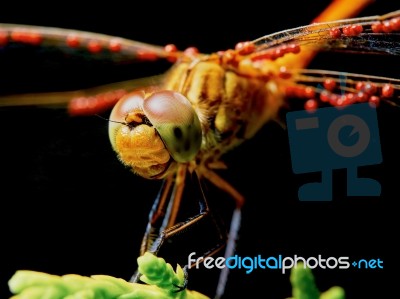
x=68, y=206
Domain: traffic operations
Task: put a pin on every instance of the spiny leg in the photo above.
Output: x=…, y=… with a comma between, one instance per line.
x=163, y=211
x=162, y=220
x=184, y=227
x=156, y=220
x=174, y=204
x=234, y=226
x=157, y=214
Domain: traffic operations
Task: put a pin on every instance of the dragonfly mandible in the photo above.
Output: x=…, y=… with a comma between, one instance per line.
x=317, y=74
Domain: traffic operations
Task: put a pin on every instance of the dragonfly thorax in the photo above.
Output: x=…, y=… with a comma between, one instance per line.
x=231, y=107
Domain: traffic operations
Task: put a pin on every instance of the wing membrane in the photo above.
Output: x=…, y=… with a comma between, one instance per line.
x=333, y=88
x=321, y=36
x=94, y=45
x=51, y=66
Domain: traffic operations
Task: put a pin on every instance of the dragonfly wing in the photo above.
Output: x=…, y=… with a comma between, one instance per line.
x=337, y=34
x=83, y=102
x=365, y=35
x=44, y=62
x=285, y=55
x=324, y=87
x=91, y=45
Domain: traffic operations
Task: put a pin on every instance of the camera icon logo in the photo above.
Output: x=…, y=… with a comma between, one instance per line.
x=335, y=138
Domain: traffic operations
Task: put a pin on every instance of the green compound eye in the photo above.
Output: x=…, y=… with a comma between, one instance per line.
x=177, y=123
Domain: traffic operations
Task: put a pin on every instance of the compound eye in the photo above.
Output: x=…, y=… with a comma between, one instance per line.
x=175, y=120
x=126, y=106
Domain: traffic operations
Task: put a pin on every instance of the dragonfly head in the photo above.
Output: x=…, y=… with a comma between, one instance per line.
x=151, y=132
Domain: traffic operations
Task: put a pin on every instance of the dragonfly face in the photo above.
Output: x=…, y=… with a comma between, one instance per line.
x=151, y=132
x=63, y=164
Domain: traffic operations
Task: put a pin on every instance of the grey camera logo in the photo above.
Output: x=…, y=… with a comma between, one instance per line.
x=335, y=138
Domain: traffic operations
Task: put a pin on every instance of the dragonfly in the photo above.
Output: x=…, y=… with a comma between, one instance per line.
x=259, y=56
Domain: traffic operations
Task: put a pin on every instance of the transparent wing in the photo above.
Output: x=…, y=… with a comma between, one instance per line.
x=333, y=88
x=82, y=102
x=91, y=45
x=365, y=35
x=74, y=67
x=375, y=34
x=285, y=55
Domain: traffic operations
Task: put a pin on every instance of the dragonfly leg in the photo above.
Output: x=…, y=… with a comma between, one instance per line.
x=161, y=213
x=161, y=225
x=162, y=221
x=156, y=216
x=164, y=212
x=184, y=226
x=234, y=226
